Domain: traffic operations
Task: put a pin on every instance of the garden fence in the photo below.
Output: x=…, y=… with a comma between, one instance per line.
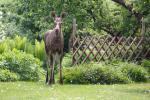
x=101, y=48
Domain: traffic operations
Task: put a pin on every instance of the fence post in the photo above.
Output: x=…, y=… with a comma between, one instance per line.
x=143, y=27
x=146, y=48
x=72, y=39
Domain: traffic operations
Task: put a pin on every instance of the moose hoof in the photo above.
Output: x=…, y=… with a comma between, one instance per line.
x=61, y=82
x=50, y=82
x=47, y=83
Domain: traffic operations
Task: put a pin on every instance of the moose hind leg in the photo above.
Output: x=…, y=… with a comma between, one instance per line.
x=60, y=72
x=47, y=72
x=46, y=76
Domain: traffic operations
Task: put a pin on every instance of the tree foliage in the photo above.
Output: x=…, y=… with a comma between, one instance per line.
x=115, y=17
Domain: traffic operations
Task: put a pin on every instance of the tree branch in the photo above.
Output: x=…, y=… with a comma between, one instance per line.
x=106, y=28
x=137, y=15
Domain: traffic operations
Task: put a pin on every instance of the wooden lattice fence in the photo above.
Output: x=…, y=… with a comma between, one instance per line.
x=98, y=48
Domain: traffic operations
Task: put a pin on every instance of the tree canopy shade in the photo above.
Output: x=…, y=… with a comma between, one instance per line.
x=114, y=17
x=138, y=8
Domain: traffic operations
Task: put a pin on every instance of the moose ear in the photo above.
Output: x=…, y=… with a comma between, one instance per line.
x=63, y=14
x=53, y=14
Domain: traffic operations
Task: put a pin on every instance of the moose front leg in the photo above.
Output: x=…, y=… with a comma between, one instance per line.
x=51, y=74
x=52, y=63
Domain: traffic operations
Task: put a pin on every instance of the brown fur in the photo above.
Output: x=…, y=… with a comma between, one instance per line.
x=54, y=44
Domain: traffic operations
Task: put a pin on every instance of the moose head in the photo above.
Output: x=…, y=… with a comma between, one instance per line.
x=58, y=20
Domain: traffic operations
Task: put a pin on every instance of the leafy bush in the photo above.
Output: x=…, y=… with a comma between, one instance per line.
x=93, y=73
x=6, y=75
x=135, y=72
x=121, y=72
x=67, y=60
x=146, y=64
x=40, y=50
x=18, y=43
x=24, y=65
x=23, y=44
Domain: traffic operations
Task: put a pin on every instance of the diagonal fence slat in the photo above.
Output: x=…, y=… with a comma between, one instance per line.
x=98, y=48
x=115, y=46
x=101, y=47
x=122, y=48
x=129, y=47
x=84, y=51
x=91, y=52
x=107, y=48
x=139, y=43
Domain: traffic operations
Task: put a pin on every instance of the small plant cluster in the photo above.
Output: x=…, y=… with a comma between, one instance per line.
x=16, y=65
x=110, y=73
x=146, y=64
x=67, y=60
x=22, y=43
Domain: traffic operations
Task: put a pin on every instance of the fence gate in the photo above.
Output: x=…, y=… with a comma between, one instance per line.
x=98, y=48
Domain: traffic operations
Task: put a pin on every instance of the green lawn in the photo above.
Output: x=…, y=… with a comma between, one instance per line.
x=40, y=91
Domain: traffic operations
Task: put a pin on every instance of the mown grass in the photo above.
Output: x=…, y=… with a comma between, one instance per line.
x=40, y=91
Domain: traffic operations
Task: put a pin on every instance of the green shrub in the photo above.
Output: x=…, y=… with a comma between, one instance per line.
x=40, y=50
x=93, y=74
x=112, y=73
x=29, y=48
x=6, y=75
x=18, y=43
x=25, y=65
x=135, y=72
x=23, y=44
x=67, y=60
x=6, y=45
x=146, y=64
x=2, y=47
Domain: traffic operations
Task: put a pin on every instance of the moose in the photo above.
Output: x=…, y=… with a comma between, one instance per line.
x=54, y=44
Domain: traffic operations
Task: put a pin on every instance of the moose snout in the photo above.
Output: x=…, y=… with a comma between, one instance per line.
x=57, y=30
